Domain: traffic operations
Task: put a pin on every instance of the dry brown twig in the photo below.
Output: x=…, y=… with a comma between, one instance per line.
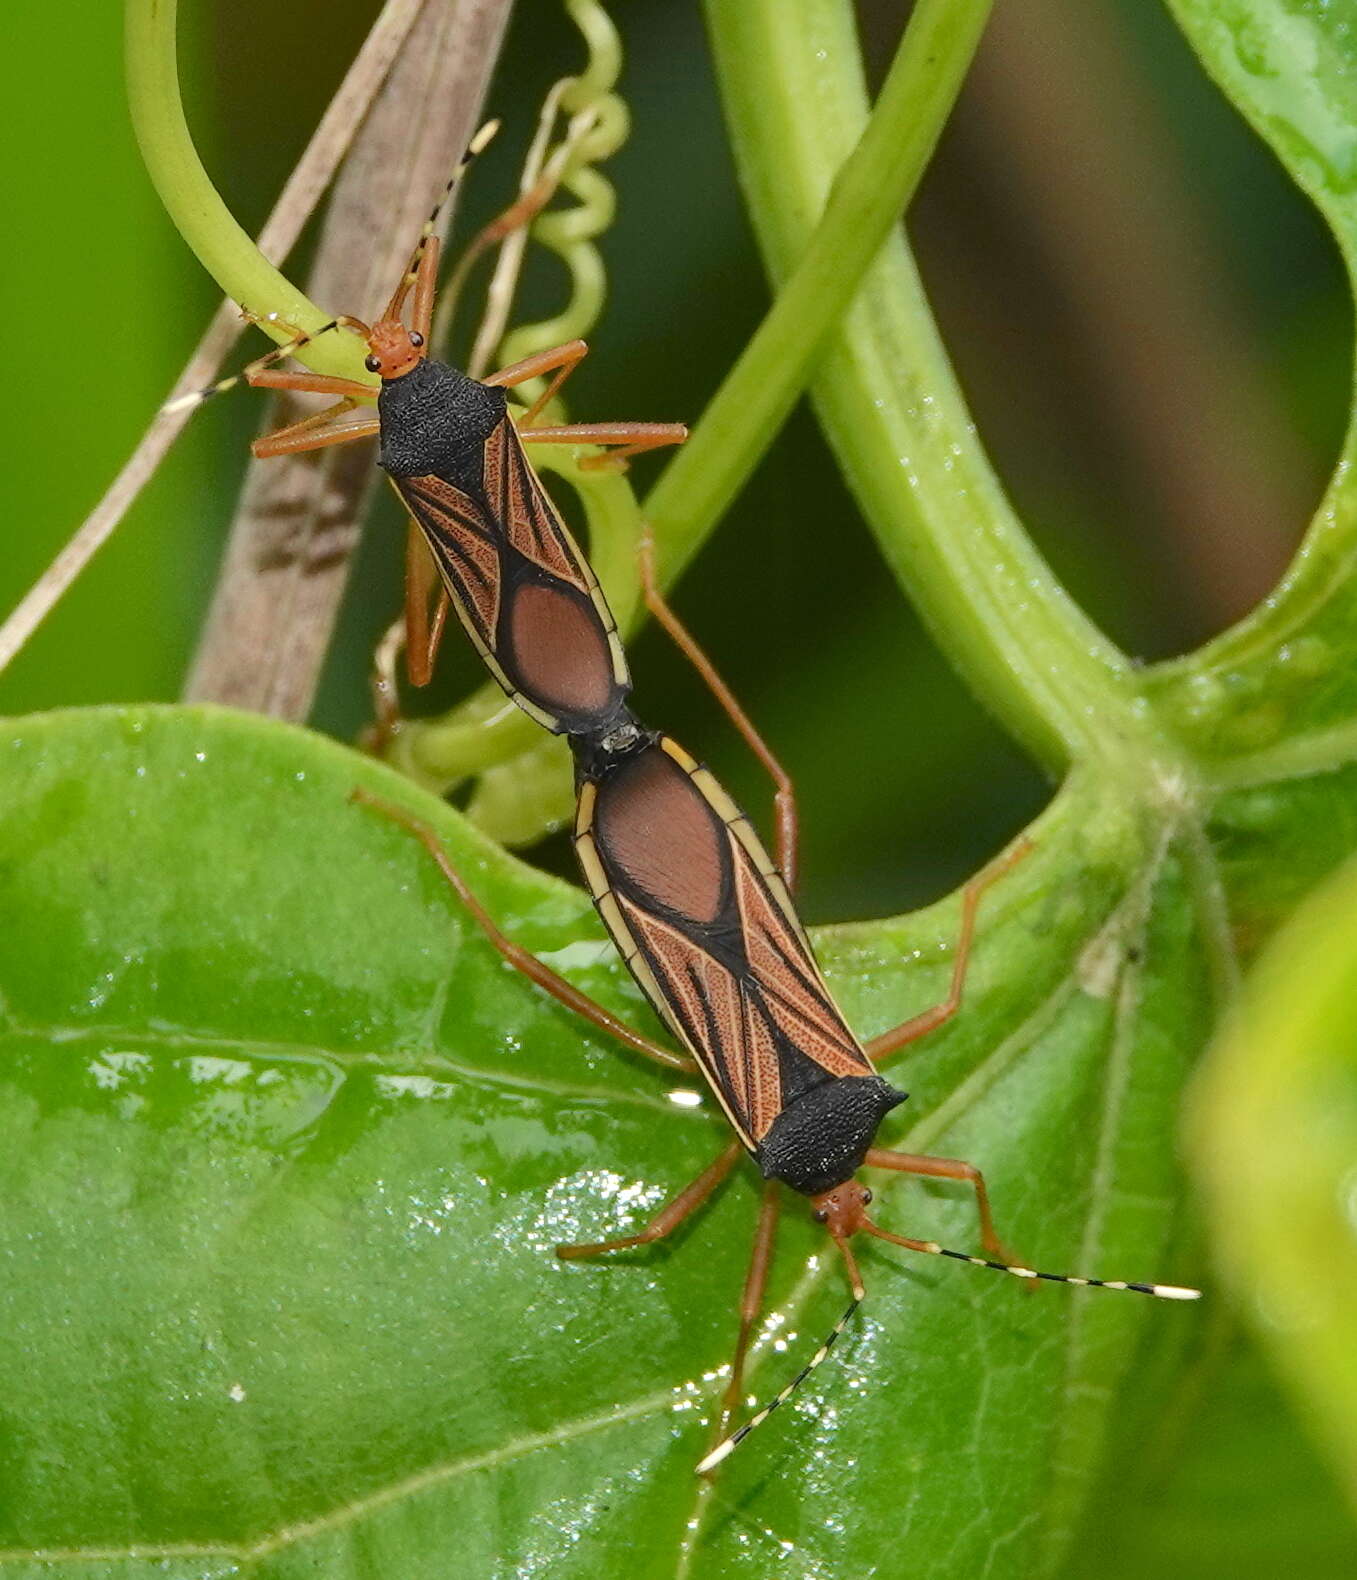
x=457, y=69
x=288, y=557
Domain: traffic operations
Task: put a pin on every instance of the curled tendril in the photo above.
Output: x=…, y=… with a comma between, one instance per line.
x=523, y=783
x=599, y=124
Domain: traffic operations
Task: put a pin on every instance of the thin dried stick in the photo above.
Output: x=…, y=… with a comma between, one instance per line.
x=299, y=197
x=504, y=282
x=287, y=561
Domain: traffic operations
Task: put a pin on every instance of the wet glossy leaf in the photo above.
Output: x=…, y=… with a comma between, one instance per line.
x=289, y=1148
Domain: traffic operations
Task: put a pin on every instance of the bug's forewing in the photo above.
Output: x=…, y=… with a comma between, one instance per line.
x=523, y=592
x=740, y=987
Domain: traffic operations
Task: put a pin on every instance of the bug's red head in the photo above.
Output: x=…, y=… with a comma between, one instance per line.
x=842, y=1210
x=393, y=349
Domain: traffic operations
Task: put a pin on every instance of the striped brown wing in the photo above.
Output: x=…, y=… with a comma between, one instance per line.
x=707, y=929
x=465, y=542
x=522, y=590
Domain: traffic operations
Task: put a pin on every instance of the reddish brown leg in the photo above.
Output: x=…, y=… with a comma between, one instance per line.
x=426, y=607
x=563, y=360
x=669, y=1217
x=633, y=437
x=326, y=420
x=531, y=967
x=284, y=441
x=751, y=1304
x=948, y=1169
x=890, y=1042
x=784, y=796
x=416, y=633
x=311, y=383
x=308, y=435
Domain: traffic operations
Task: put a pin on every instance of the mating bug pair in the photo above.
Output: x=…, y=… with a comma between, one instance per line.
x=702, y=916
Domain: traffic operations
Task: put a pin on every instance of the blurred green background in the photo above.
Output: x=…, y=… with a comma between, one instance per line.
x=1150, y=322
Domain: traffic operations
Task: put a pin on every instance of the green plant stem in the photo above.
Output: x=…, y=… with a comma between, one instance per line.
x=875, y=183
x=195, y=206
x=884, y=390
x=823, y=208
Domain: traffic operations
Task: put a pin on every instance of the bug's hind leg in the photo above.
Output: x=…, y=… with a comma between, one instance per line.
x=417, y=632
x=890, y=1042
x=948, y=1169
x=669, y=1217
x=426, y=607
x=535, y=970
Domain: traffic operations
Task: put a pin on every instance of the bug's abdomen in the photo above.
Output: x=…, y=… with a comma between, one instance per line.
x=555, y=648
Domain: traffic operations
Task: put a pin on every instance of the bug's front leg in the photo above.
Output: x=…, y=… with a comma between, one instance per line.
x=948, y=1169
x=560, y=360
x=891, y=1042
x=321, y=428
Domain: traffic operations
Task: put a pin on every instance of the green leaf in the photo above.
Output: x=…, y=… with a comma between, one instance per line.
x=289, y=1147
x=1231, y=1490
x=1275, y=1127
x=1276, y=693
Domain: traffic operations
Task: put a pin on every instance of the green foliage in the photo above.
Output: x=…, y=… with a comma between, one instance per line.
x=289, y=1146
x=287, y=1128
x=1232, y=1492
x=1275, y=1133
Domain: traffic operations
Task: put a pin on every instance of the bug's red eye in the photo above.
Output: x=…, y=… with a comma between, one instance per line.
x=373, y=364
x=416, y=339
x=822, y=1215
x=866, y=1198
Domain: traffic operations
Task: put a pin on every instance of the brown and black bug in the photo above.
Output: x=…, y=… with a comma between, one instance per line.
x=705, y=922
x=701, y=914
x=525, y=594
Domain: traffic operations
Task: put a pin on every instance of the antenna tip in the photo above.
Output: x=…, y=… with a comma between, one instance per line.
x=484, y=136
x=706, y=1466
x=1175, y=1292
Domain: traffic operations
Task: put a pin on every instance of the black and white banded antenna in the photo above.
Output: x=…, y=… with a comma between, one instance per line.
x=929, y=1248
